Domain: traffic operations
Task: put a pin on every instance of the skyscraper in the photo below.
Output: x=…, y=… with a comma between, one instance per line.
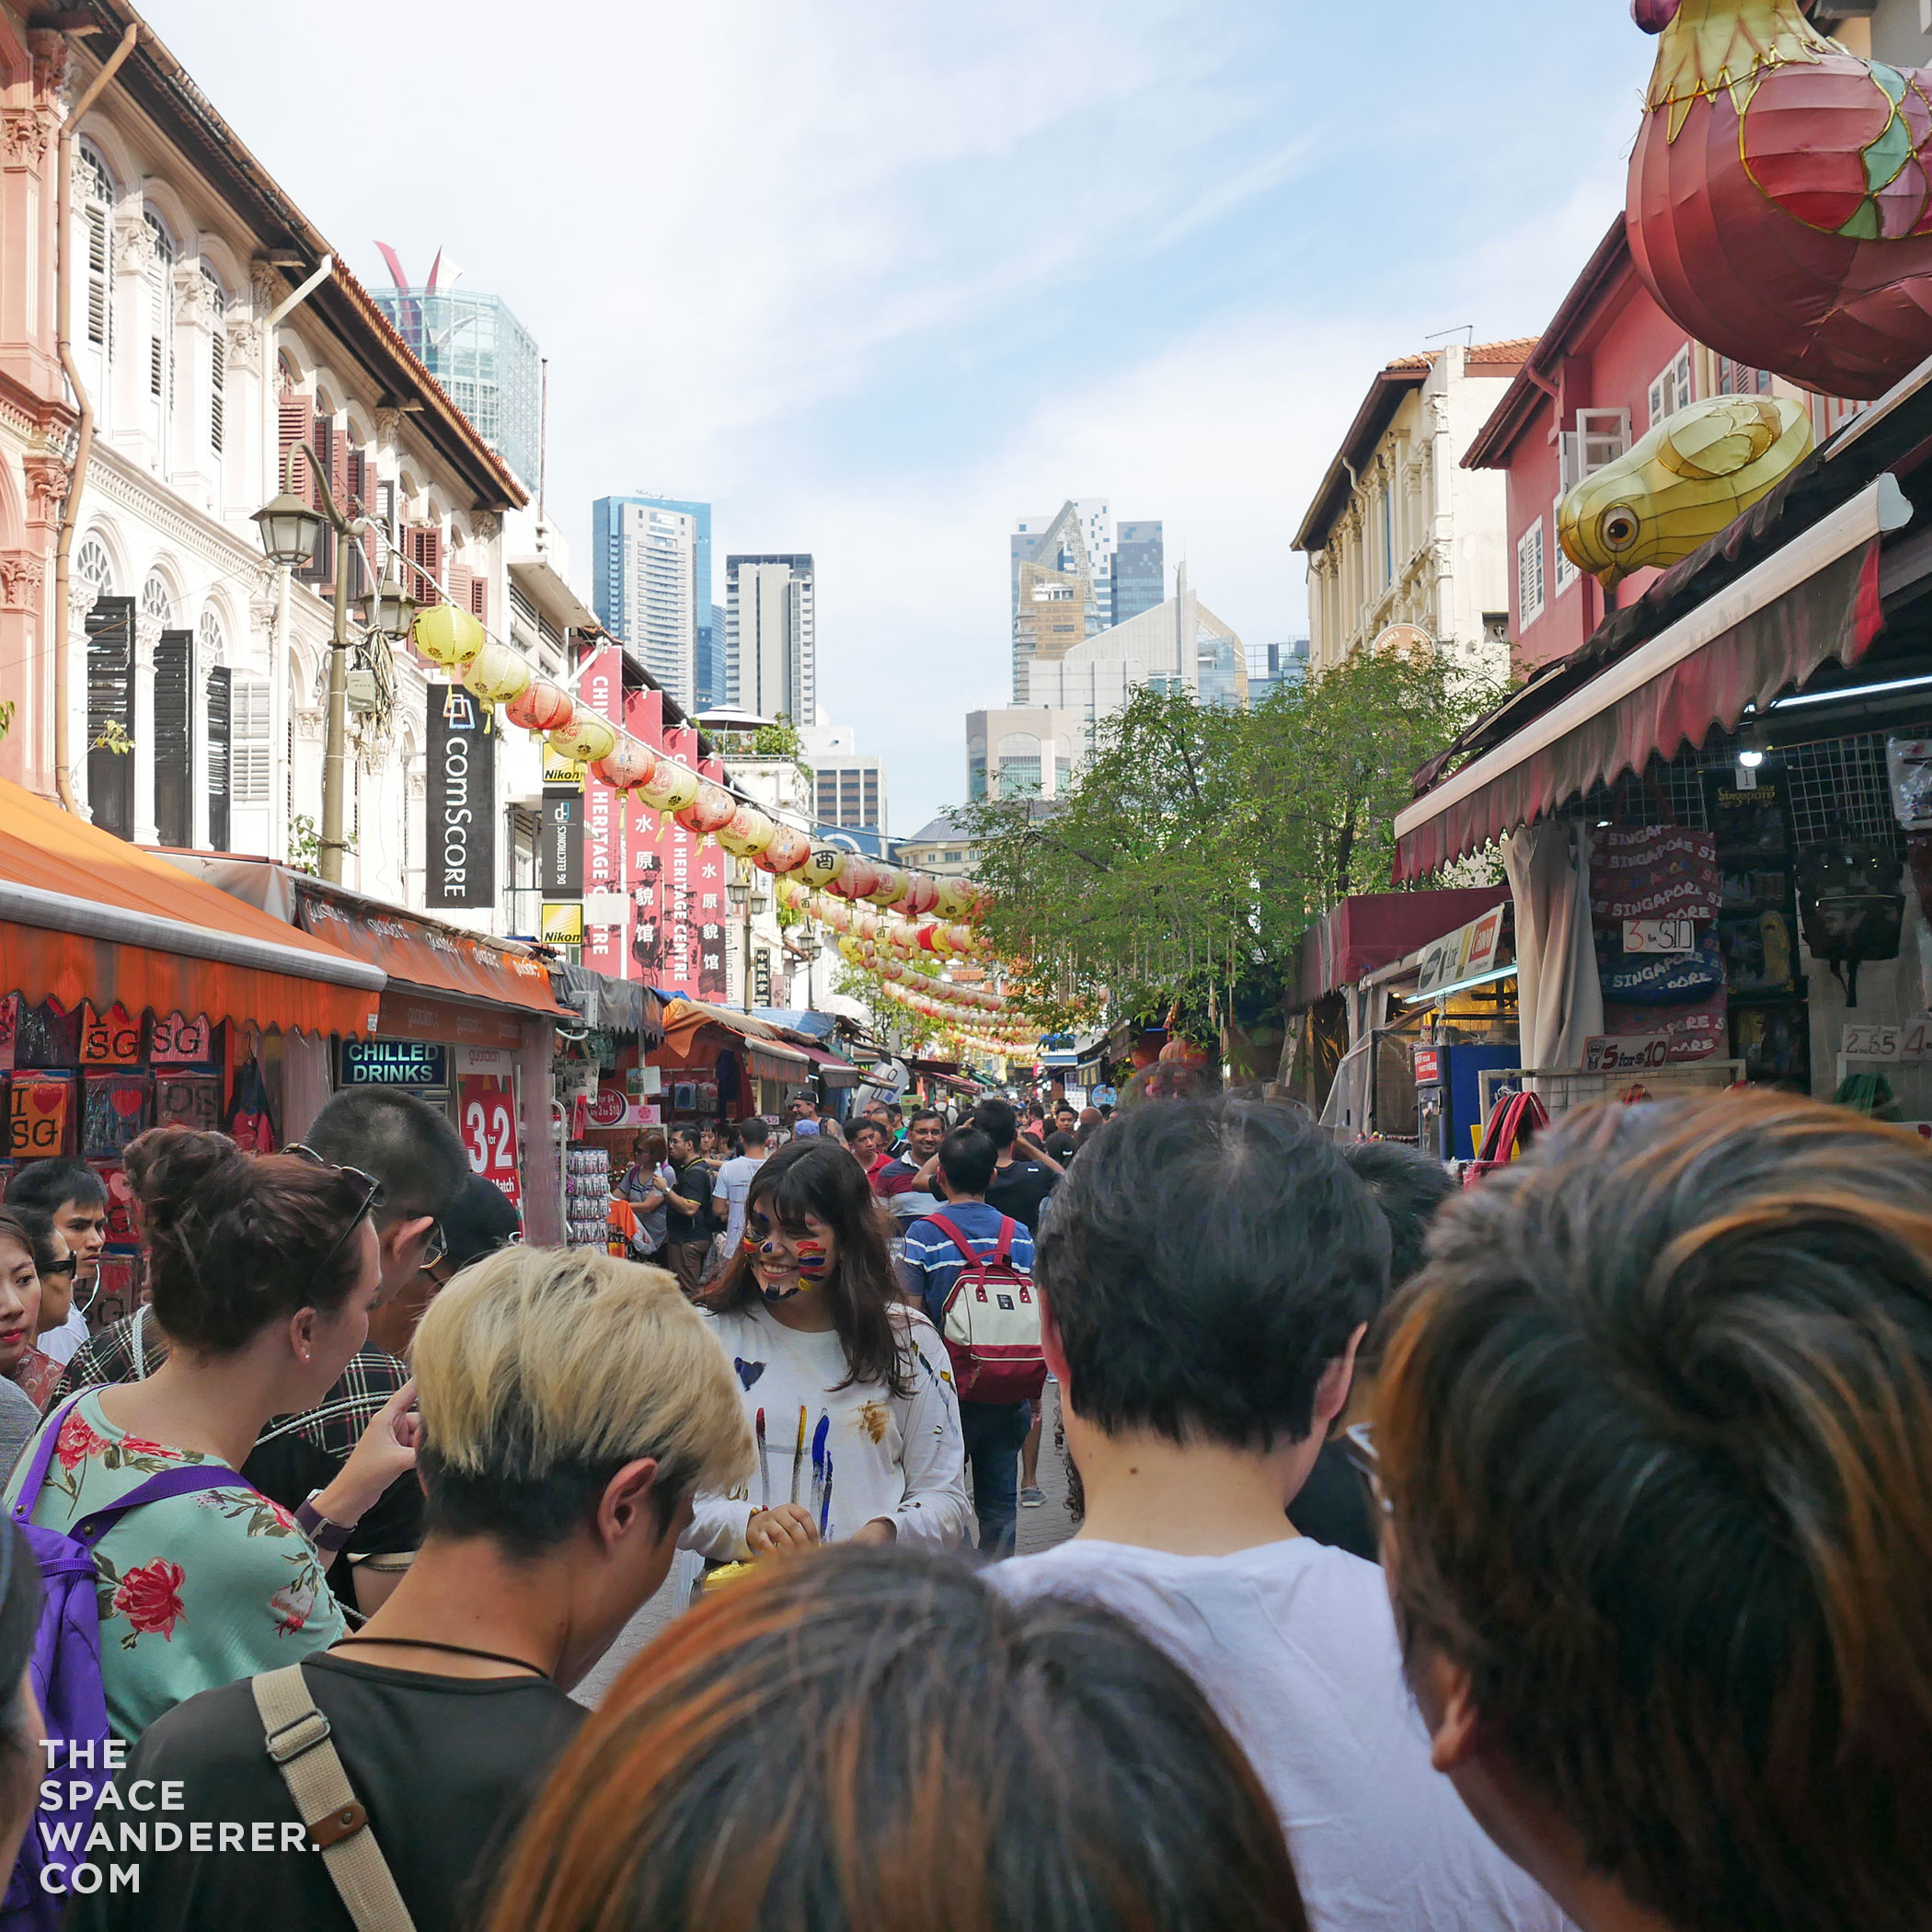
x=620, y=598
x=771, y=637
x=1139, y=571
x=1092, y=520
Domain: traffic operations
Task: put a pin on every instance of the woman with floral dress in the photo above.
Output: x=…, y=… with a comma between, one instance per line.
x=264, y=1271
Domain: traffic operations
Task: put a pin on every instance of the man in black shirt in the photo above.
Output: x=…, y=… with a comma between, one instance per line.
x=687, y=1226
x=572, y=1406
x=1022, y=1180
x=1061, y=1143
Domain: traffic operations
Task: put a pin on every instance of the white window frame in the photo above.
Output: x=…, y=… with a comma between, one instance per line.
x=250, y=743
x=1563, y=572
x=1675, y=387
x=1530, y=545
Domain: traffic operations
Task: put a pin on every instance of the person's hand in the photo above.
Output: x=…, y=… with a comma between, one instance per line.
x=790, y=1527
x=882, y=1533
x=387, y=1450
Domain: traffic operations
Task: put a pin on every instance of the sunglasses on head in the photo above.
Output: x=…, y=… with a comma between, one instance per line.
x=372, y=1199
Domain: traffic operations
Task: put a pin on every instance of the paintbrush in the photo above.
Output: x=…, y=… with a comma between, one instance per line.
x=797, y=1455
x=819, y=1457
x=825, y=1506
x=764, y=1467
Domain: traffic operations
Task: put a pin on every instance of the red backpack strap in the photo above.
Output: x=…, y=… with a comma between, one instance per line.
x=1008, y=1227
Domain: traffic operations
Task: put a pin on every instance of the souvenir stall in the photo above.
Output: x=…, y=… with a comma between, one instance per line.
x=719, y=1064
x=151, y=999
x=1734, y=778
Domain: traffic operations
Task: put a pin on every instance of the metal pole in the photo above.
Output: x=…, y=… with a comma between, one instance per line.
x=747, y=947
x=329, y=847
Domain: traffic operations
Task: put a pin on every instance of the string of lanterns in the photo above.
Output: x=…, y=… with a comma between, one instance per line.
x=495, y=673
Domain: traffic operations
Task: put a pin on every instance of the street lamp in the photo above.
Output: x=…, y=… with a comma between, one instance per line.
x=289, y=532
x=738, y=891
x=389, y=608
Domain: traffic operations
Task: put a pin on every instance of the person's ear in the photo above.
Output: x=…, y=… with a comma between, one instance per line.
x=1050, y=1345
x=626, y=1508
x=1448, y=1707
x=302, y=1334
x=1331, y=1393
x=398, y=1234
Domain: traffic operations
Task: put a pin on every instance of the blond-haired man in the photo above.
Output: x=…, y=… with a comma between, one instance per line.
x=570, y=1405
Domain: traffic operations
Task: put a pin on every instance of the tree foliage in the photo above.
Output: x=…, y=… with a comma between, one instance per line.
x=1199, y=844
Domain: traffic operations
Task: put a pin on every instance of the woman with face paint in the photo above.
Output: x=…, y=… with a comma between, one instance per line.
x=848, y=1390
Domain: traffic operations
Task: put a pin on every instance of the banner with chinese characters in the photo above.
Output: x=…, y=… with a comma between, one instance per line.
x=605, y=947
x=711, y=914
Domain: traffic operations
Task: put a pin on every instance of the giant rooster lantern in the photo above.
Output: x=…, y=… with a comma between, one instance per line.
x=1781, y=195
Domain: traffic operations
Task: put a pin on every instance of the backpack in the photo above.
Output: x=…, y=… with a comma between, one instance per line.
x=65, y=1673
x=990, y=1322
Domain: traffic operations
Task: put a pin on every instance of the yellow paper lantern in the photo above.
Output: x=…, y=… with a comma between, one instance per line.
x=955, y=898
x=497, y=673
x=747, y=834
x=671, y=787
x=890, y=887
x=586, y=738
x=822, y=864
x=447, y=635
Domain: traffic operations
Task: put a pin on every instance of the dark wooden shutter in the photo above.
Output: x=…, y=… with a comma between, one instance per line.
x=326, y=441
x=174, y=738
x=111, y=702
x=426, y=554
x=479, y=599
x=297, y=411
x=218, y=386
x=218, y=788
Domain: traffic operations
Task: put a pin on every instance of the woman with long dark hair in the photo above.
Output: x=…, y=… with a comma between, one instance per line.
x=847, y=1389
x=864, y=1743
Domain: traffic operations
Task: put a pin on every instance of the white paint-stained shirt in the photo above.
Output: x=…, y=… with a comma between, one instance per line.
x=850, y=1456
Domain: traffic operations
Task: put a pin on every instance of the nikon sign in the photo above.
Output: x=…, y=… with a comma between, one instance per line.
x=459, y=803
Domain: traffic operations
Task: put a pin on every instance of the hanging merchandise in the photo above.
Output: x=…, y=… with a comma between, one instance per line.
x=116, y=1107
x=540, y=707
x=587, y=1196
x=1908, y=764
x=1850, y=905
x=39, y=1108
x=447, y=635
x=249, y=1123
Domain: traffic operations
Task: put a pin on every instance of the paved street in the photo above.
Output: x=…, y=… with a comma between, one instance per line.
x=1039, y=1529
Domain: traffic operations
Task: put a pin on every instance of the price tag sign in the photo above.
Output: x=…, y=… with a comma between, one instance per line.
x=1874, y=1042
x=1660, y=935
x=487, y=1106
x=1626, y=1053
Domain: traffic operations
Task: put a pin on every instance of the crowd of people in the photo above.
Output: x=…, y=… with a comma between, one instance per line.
x=1554, y=1552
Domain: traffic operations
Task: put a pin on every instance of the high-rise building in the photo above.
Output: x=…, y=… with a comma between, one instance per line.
x=1139, y=571
x=1051, y=540
x=1274, y=667
x=848, y=791
x=621, y=598
x=1020, y=752
x=771, y=636
x=483, y=356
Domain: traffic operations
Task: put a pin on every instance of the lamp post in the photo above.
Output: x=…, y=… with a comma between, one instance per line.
x=738, y=891
x=289, y=531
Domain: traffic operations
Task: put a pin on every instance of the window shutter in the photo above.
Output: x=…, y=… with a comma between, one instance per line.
x=1529, y=575
x=297, y=411
x=219, y=832
x=459, y=585
x=327, y=444
x=1566, y=573
x=425, y=549
x=174, y=738
x=100, y=250
x=1657, y=411
x=479, y=599
x=217, y=384
x=1685, y=382
x=249, y=741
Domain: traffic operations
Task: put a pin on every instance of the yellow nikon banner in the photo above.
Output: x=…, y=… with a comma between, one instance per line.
x=563, y=924
x=559, y=770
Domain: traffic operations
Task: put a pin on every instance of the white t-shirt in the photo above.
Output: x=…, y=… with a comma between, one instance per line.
x=897, y=1456
x=1295, y=1645
x=733, y=1182
x=62, y=1342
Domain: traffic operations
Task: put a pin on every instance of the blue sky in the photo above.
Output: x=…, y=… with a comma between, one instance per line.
x=877, y=279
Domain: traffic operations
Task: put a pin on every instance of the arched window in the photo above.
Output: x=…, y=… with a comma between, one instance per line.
x=93, y=566
x=211, y=645
x=1019, y=765
x=155, y=601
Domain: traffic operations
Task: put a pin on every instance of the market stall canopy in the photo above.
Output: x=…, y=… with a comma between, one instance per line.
x=614, y=1006
x=684, y=1018
x=1372, y=930
x=418, y=951
x=1814, y=598
x=85, y=916
x=830, y=1069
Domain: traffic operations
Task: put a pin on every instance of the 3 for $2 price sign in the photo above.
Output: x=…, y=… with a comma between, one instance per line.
x=486, y=1108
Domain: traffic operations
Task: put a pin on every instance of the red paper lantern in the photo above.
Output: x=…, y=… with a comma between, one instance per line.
x=629, y=765
x=712, y=808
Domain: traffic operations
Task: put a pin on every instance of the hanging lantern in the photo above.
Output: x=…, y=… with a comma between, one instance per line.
x=893, y=968
x=447, y=635
x=922, y=893
x=712, y=808
x=670, y=788
x=497, y=673
x=848, y=949
x=821, y=865
x=856, y=876
x=925, y=938
x=890, y=886
x=586, y=738
x=628, y=766
x=866, y=924
x=954, y=897
x=787, y=892
x=747, y=832
x=540, y=707
x=787, y=852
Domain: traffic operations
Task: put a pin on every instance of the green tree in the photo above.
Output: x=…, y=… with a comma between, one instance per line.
x=1199, y=843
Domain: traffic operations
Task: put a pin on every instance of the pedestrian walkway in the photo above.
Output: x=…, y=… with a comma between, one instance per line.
x=1039, y=1529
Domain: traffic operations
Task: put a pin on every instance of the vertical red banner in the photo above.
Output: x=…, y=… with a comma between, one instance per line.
x=647, y=859
x=710, y=920
x=605, y=947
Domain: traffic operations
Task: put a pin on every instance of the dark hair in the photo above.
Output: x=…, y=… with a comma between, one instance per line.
x=869, y=1125
x=1205, y=1262
x=407, y=1144
x=925, y=1113
x=996, y=1120
x=876, y=1740
x=682, y=1131
x=481, y=1219
x=48, y=1185
x=813, y=1177
x=1409, y=1188
x=1061, y=1107
x=40, y=1233
x=1656, y=1430
x=969, y=1160
x=753, y=1133
x=17, y=1224
x=19, y=1622
x=236, y=1242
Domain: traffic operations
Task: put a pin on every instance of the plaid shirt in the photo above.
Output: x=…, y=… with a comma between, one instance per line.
x=334, y=1426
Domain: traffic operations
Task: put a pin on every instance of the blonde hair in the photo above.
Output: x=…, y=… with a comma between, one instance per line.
x=538, y=1361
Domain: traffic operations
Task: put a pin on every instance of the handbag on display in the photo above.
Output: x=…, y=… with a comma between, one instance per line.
x=1515, y=1124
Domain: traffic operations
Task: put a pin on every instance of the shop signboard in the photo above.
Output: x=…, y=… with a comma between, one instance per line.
x=605, y=944
x=394, y=1062
x=1467, y=953
x=1666, y=936
x=562, y=922
x=460, y=802
x=1626, y=1053
x=486, y=1115
x=559, y=863
x=564, y=773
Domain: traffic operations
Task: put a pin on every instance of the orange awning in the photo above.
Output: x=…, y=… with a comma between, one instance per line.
x=684, y=1017
x=84, y=915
